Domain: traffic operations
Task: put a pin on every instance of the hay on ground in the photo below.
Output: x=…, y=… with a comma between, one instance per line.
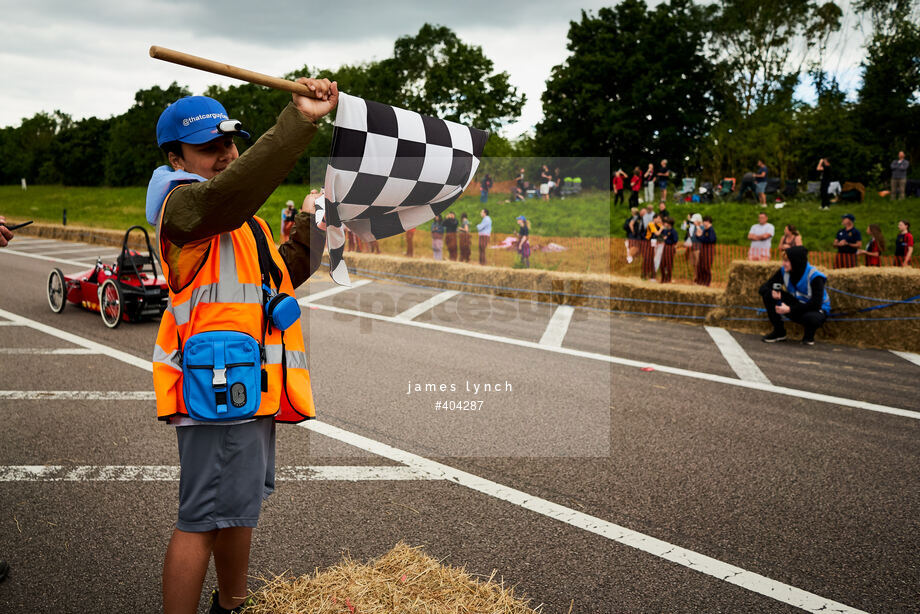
x=403, y=580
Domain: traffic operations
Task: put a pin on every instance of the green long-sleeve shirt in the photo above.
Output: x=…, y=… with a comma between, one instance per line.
x=197, y=211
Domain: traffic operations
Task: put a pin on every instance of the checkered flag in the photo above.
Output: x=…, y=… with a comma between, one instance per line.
x=391, y=170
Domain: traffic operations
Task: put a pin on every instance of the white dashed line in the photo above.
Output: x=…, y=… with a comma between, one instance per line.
x=558, y=326
x=417, y=310
x=167, y=473
x=77, y=395
x=51, y=351
x=909, y=356
x=735, y=356
x=332, y=291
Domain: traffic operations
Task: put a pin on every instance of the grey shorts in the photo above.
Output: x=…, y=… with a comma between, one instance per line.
x=226, y=472
x=760, y=187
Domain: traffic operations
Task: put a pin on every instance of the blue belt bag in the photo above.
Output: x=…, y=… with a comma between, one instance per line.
x=221, y=376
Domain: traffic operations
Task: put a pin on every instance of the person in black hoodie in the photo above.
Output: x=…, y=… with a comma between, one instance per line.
x=798, y=291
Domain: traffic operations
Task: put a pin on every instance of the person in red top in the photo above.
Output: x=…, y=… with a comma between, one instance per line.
x=635, y=184
x=618, y=186
x=875, y=247
x=903, y=245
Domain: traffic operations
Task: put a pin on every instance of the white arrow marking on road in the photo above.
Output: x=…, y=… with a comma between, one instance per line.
x=735, y=356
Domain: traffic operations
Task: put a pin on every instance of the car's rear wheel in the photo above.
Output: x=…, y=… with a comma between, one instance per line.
x=110, y=303
x=57, y=291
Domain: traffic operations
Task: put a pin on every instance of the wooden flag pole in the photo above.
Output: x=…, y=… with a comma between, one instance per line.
x=234, y=72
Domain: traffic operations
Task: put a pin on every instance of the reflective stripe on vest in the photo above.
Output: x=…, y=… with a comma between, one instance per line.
x=226, y=294
x=802, y=290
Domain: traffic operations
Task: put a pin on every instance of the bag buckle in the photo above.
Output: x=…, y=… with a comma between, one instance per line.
x=219, y=380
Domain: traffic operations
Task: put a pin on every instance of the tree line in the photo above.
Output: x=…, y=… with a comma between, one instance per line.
x=711, y=87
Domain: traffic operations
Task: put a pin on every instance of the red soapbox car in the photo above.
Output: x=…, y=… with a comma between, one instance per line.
x=130, y=290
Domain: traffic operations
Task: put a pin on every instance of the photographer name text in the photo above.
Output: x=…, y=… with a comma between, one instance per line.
x=467, y=386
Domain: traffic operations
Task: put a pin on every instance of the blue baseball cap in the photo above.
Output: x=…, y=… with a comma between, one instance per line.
x=196, y=120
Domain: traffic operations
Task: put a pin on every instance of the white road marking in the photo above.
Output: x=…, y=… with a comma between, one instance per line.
x=646, y=543
x=332, y=291
x=558, y=326
x=140, y=363
x=693, y=560
x=40, y=257
x=76, y=247
x=77, y=395
x=735, y=356
x=5, y=323
x=54, y=351
x=168, y=473
x=417, y=310
x=626, y=362
x=29, y=242
x=909, y=356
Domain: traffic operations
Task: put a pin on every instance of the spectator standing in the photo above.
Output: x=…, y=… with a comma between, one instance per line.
x=692, y=239
x=464, y=237
x=484, y=186
x=523, y=245
x=557, y=179
x=790, y=238
x=899, y=176
x=649, y=248
x=617, y=184
x=903, y=244
x=484, y=230
x=707, y=235
x=874, y=247
x=635, y=233
x=824, y=167
x=648, y=214
x=761, y=236
x=663, y=210
x=635, y=184
x=802, y=298
x=437, y=237
x=847, y=242
x=648, y=180
x=287, y=220
x=669, y=239
x=662, y=175
x=410, y=238
x=760, y=183
x=450, y=235
x=546, y=182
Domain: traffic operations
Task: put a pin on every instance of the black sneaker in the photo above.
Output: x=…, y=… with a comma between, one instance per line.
x=217, y=609
x=806, y=341
x=774, y=337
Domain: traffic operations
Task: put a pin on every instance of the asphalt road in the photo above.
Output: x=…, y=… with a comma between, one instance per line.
x=630, y=430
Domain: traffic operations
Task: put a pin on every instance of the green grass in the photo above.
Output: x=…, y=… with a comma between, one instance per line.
x=588, y=215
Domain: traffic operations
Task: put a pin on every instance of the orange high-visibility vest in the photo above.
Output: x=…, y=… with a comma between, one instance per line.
x=226, y=294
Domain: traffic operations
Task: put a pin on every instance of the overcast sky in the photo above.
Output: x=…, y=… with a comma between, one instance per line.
x=88, y=58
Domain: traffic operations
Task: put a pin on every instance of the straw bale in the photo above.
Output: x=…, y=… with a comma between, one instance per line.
x=96, y=236
x=578, y=289
x=401, y=581
x=745, y=278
